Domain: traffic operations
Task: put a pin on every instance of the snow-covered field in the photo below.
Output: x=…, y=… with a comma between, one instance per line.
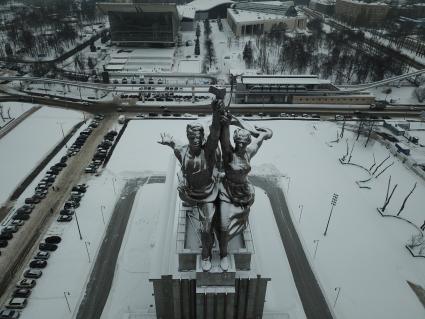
x=12, y=110
x=362, y=254
x=69, y=266
x=26, y=145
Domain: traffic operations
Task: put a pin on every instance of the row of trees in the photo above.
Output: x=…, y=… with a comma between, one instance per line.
x=47, y=26
x=342, y=56
x=209, y=46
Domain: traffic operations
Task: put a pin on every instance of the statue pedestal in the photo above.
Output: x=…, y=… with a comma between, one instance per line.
x=190, y=293
x=189, y=243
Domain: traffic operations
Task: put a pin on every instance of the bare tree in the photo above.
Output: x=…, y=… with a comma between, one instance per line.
x=405, y=200
x=388, y=198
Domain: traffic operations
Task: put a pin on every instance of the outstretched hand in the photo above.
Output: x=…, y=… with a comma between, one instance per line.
x=267, y=133
x=166, y=139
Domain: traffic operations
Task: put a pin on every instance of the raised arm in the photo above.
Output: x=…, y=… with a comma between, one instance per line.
x=168, y=140
x=214, y=135
x=226, y=146
x=264, y=134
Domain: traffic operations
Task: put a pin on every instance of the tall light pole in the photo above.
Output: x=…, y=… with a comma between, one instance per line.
x=101, y=211
x=113, y=184
x=78, y=226
x=333, y=203
x=316, y=241
x=87, y=243
x=301, y=206
x=337, y=295
x=65, y=293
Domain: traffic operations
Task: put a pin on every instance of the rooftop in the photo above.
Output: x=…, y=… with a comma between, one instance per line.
x=282, y=79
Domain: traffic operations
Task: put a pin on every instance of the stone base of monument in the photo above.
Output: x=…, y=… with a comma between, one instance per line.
x=189, y=242
x=188, y=292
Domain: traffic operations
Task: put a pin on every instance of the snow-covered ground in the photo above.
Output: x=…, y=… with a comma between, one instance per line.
x=398, y=95
x=69, y=266
x=26, y=145
x=362, y=254
x=12, y=110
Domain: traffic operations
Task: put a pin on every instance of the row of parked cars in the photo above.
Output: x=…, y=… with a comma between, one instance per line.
x=73, y=202
x=81, y=139
x=101, y=152
x=142, y=80
x=20, y=295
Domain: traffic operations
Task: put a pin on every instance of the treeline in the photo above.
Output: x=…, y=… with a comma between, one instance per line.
x=43, y=27
x=341, y=56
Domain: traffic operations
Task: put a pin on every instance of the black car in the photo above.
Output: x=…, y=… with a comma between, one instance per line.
x=26, y=283
x=42, y=255
x=21, y=217
x=6, y=236
x=37, y=263
x=63, y=159
x=64, y=218
x=47, y=247
x=33, y=273
x=54, y=239
x=3, y=243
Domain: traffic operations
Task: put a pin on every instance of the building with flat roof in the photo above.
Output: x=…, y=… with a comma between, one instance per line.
x=361, y=13
x=146, y=22
x=247, y=18
x=324, y=6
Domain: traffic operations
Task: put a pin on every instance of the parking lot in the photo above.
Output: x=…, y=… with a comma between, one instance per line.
x=19, y=251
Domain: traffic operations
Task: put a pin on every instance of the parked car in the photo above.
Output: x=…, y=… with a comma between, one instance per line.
x=64, y=218
x=33, y=273
x=9, y=229
x=37, y=263
x=9, y=314
x=6, y=236
x=71, y=204
x=42, y=255
x=47, y=247
x=54, y=239
x=26, y=283
x=21, y=293
x=17, y=222
x=3, y=243
x=16, y=303
x=21, y=217
x=124, y=81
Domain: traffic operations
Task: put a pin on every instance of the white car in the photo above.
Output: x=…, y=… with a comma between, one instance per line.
x=16, y=303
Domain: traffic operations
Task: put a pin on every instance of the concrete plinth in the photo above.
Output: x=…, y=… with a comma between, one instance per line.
x=189, y=243
x=188, y=292
x=216, y=276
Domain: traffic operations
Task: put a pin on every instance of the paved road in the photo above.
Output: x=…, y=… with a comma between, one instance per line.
x=102, y=275
x=312, y=298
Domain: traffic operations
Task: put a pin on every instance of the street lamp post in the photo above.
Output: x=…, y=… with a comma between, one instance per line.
x=78, y=226
x=65, y=293
x=101, y=211
x=113, y=184
x=316, y=241
x=333, y=203
x=337, y=295
x=87, y=243
x=301, y=206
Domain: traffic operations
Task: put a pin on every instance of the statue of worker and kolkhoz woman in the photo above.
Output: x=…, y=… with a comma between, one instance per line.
x=216, y=183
